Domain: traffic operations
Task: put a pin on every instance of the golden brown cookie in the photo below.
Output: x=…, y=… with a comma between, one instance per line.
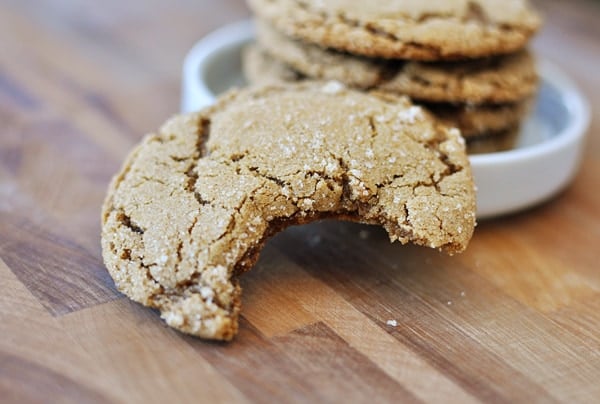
x=494, y=142
x=401, y=29
x=500, y=79
x=481, y=120
x=260, y=68
x=195, y=202
x=472, y=120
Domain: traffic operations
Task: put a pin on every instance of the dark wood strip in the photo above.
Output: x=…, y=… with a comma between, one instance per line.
x=66, y=146
x=382, y=290
x=102, y=105
x=259, y=368
x=16, y=94
x=18, y=376
x=334, y=369
x=62, y=275
x=311, y=364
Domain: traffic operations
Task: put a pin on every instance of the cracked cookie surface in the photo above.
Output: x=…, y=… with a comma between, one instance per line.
x=473, y=120
x=500, y=79
x=401, y=29
x=195, y=202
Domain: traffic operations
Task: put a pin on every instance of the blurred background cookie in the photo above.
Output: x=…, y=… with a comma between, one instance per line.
x=419, y=30
x=499, y=79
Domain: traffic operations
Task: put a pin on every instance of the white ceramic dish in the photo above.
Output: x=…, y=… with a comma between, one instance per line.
x=543, y=163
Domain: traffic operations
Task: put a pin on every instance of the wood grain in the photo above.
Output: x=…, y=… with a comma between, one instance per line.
x=514, y=319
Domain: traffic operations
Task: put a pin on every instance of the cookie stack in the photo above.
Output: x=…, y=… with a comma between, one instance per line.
x=466, y=61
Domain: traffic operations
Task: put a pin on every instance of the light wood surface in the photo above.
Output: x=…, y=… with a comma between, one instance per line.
x=514, y=319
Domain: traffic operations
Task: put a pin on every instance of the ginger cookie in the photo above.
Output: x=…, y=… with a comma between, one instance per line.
x=494, y=142
x=401, y=29
x=481, y=120
x=194, y=203
x=499, y=79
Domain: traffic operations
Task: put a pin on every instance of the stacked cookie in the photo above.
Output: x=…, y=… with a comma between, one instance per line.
x=463, y=60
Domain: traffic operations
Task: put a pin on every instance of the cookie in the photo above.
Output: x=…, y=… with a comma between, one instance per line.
x=194, y=203
x=471, y=120
x=399, y=29
x=498, y=79
x=494, y=142
x=481, y=120
x=260, y=68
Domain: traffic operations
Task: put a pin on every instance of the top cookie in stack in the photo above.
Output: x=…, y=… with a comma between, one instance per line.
x=464, y=60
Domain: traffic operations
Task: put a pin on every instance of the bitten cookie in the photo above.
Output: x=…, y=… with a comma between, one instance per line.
x=471, y=119
x=194, y=203
x=400, y=29
x=500, y=79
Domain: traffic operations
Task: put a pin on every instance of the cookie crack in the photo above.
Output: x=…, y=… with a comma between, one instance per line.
x=126, y=221
x=146, y=179
x=178, y=159
x=345, y=180
x=372, y=129
x=202, y=139
x=201, y=201
x=232, y=222
x=256, y=171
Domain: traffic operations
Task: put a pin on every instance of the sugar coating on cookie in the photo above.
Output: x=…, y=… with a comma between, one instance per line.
x=195, y=202
x=500, y=79
x=406, y=29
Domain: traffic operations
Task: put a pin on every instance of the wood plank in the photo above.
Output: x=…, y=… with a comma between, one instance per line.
x=424, y=297
x=18, y=374
x=58, y=272
x=538, y=348
x=36, y=351
x=335, y=369
x=144, y=360
x=309, y=364
x=258, y=367
x=556, y=275
x=60, y=177
x=279, y=297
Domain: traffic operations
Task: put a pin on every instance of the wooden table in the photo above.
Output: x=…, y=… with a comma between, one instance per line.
x=515, y=318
